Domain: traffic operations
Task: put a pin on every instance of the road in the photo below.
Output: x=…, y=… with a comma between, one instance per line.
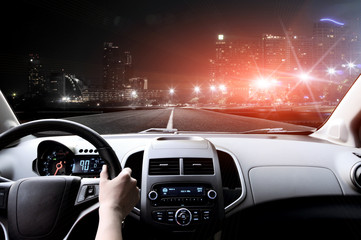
x=311, y=115
x=182, y=119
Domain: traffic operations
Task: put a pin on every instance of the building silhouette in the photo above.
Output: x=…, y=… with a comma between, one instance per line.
x=336, y=49
x=234, y=61
x=36, y=80
x=117, y=67
x=331, y=45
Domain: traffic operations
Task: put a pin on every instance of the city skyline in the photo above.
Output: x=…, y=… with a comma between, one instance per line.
x=233, y=66
x=170, y=46
x=231, y=55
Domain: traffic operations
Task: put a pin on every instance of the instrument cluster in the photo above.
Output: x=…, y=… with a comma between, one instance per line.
x=54, y=158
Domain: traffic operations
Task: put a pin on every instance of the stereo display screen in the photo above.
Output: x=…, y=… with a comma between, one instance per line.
x=181, y=191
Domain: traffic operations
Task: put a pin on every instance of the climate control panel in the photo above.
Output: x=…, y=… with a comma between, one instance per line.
x=182, y=216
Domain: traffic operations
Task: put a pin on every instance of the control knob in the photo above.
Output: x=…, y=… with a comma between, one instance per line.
x=153, y=195
x=183, y=216
x=212, y=194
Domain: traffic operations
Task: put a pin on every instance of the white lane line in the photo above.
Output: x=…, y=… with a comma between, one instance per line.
x=170, y=121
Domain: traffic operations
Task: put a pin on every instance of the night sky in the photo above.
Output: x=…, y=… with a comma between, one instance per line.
x=171, y=41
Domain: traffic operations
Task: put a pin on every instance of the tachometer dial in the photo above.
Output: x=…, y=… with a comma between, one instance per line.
x=54, y=159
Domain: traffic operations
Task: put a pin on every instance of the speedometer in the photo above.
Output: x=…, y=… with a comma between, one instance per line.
x=54, y=159
x=87, y=165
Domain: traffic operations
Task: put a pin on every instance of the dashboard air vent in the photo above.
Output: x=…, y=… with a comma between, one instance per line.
x=164, y=166
x=198, y=166
x=356, y=173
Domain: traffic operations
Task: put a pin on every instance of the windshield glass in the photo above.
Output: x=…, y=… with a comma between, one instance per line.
x=210, y=66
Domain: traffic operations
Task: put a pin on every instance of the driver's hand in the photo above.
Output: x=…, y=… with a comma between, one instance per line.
x=119, y=195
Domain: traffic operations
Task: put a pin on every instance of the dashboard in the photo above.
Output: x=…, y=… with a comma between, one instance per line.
x=188, y=182
x=200, y=183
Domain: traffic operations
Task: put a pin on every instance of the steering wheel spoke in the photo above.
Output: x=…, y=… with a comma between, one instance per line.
x=4, y=192
x=88, y=191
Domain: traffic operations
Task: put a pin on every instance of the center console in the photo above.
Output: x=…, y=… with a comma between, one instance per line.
x=181, y=184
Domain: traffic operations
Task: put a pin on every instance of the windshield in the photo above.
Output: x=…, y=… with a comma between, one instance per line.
x=209, y=66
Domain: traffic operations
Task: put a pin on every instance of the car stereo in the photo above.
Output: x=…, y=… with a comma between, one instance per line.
x=182, y=205
x=178, y=195
x=181, y=195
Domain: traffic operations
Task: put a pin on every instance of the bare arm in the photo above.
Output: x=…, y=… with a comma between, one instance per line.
x=117, y=197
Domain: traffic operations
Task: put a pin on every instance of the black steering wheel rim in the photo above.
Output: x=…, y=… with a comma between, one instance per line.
x=105, y=150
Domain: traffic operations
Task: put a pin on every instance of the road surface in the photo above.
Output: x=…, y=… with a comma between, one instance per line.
x=182, y=119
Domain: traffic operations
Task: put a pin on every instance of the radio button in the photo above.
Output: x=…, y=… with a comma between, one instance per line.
x=170, y=214
x=183, y=217
x=196, y=216
x=158, y=216
x=206, y=215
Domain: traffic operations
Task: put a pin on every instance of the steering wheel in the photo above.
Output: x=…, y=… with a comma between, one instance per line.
x=47, y=207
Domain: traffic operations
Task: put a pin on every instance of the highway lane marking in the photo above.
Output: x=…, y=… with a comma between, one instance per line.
x=170, y=121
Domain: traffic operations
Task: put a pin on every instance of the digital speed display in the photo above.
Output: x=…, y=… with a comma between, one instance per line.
x=91, y=165
x=180, y=191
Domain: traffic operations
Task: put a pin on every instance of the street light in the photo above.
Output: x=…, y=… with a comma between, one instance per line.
x=263, y=83
x=222, y=87
x=304, y=77
x=197, y=89
x=171, y=92
x=134, y=95
x=331, y=71
x=350, y=66
x=65, y=99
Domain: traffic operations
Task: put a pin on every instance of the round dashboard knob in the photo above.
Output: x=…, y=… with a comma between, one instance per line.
x=183, y=216
x=153, y=195
x=212, y=194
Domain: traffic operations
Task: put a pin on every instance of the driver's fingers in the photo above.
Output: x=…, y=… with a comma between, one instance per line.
x=104, y=173
x=127, y=171
x=124, y=175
